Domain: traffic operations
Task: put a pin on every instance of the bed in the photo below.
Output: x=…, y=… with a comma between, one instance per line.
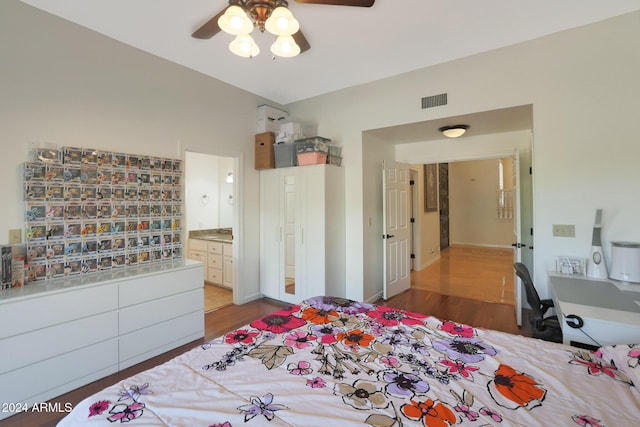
x=337, y=362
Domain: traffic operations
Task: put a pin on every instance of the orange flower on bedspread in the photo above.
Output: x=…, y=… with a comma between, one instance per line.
x=431, y=413
x=355, y=337
x=318, y=316
x=513, y=389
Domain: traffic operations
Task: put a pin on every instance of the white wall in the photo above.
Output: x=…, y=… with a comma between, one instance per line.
x=205, y=175
x=62, y=83
x=584, y=89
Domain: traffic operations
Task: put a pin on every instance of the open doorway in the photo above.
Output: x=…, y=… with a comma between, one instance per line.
x=485, y=223
x=209, y=219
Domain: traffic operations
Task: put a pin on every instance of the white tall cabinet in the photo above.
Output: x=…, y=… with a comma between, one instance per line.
x=302, y=232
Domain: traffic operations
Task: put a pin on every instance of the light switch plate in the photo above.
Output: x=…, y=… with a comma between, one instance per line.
x=564, y=230
x=15, y=236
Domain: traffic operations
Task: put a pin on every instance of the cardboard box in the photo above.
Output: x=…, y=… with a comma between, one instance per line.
x=265, y=158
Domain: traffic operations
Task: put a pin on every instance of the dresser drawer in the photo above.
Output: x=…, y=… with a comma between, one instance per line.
x=214, y=276
x=215, y=261
x=215, y=248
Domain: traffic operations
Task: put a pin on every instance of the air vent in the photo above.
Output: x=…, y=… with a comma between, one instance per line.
x=434, y=101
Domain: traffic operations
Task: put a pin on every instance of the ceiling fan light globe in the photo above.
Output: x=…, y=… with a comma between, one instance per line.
x=281, y=22
x=235, y=21
x=244, y=46
x=285, y=46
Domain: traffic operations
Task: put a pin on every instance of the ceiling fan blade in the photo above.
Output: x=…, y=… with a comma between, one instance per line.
x=360, y=3
x=210, y=28
x=301, y=41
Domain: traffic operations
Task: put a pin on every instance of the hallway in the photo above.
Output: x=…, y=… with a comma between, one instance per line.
x=474, y=272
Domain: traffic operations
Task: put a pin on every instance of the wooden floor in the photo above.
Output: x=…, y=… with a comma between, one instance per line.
x=472, y=308
x=474, y=272
x=216, y=297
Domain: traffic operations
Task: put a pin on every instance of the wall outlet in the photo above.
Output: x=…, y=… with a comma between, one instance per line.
x=15, y=236
x=564, y=230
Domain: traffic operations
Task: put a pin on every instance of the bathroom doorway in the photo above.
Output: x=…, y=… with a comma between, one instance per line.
x=209, y=210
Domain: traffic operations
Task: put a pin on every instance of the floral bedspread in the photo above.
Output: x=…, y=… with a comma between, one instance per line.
x=337, y=362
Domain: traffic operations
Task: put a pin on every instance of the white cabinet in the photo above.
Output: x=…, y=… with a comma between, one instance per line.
x=217, y=258
x=302, y=232
x=60, y=335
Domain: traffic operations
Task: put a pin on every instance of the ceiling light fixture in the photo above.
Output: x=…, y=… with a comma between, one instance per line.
x=242, y=16
x=453, y=131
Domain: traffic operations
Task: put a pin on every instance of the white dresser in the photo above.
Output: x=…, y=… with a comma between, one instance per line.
x=59, y=335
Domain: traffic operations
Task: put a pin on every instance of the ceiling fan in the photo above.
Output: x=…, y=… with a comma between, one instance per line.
x=240, y=17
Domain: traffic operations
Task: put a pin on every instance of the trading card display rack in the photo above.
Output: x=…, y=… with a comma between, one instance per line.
x=88, y=210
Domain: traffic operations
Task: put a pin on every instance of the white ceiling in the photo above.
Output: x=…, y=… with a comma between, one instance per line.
x=349, y=45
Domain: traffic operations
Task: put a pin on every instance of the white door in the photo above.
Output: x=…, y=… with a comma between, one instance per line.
x=396, y=228
x=517, y=235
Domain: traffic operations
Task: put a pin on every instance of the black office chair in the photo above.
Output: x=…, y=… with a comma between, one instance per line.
x=546, y=328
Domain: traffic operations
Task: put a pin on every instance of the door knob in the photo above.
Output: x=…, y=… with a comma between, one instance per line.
x=388, y=236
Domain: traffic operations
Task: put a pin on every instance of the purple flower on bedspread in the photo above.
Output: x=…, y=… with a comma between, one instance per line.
x=392, y=316
x=458, y=329
x=125, y=413
x=135, y=391
x=403, y=384
x=338, y=304
x=586, y=421
x=264, y=406
x=280, y=321
x=468, y=350
x=224, y=424
x=98, y=408
x=326, y=333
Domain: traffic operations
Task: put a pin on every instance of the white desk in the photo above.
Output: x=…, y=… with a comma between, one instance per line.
x=609, y=309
